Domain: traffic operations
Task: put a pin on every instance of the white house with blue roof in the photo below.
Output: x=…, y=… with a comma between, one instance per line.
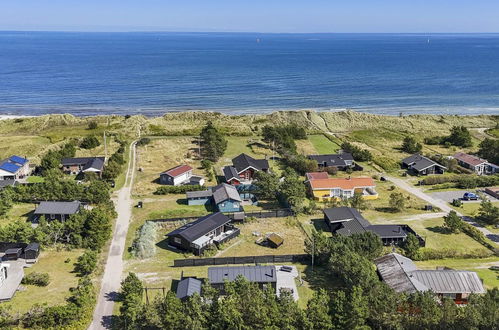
x=14, y=168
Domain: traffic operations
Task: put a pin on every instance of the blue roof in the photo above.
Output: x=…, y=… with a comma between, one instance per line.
x=18, y=160
x=10, y=167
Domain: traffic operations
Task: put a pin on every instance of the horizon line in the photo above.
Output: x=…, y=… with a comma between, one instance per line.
x=234, y=32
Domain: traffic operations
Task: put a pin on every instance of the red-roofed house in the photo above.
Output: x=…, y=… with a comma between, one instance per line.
x=176, y=176
x=478, y=165
x=339, y=188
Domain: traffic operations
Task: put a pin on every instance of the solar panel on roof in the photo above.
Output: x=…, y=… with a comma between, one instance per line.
x=18, y=160
x=9, y=167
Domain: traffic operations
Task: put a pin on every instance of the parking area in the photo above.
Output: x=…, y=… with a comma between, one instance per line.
x=286, y=281
x=449, y=196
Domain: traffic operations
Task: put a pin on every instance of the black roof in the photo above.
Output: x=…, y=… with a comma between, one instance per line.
x=388, y=231
x=230, y=172
x=255, y=274
x=333, y=159
x=187, y=287
x=352, y=222
x=419, y=162
x=201, y=226
x=244, y=161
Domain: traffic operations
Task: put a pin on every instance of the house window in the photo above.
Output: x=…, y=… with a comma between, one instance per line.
x=177, y=240
x=52, y=216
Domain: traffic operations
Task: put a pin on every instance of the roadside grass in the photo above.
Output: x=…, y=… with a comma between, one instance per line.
x=19, y=211
x=437, y=238
x=61, y=279
x=323, y=145
x=481, y=266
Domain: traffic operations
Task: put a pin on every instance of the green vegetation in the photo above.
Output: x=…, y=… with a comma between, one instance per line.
x=453, y=222
x=38, y=279
x=489, y=149
x=411, y=146
x=397, y=201
x=360, y=155
x=144, y=245
x=459, y=136
x=90, y=142
x=213, y=143
x=163, y=190
x=86, y=263
x=323, y=145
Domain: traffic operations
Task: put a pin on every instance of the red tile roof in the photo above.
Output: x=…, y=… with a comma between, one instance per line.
x=316, y=175
x=178, y=170
x=345, y=184
x=469, y=159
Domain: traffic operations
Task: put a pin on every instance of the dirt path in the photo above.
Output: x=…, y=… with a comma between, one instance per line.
x=402, y=184
x=113, y=270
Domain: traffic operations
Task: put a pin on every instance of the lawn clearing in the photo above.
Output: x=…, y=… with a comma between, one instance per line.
x=19, y=211
x=323, y=145
x=61, y=279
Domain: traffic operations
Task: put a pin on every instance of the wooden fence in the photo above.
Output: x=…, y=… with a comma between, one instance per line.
x=240, y=260
x=278, y=213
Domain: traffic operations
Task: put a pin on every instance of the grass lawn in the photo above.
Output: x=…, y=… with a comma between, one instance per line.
x=61, y=279
x=323, y=145
x=471, y=209
x=19, y=211
x=481, y=266
x=438, y=239
x=35, y=179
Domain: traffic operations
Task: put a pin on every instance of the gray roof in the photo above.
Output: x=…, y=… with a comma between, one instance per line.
x=87, y=162
x=8, y=183
x=198, y=194
x=187, y=287
x=58, y=208
x=333, y=159
x=419, y=162
x=230, y=172
x=402, y=275
x=256, y=274
x=201, y=226
x=224, y=192
x=244, y=161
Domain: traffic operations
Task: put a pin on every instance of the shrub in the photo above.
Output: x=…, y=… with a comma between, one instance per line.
x=90, y=142
x=92, y=125
x=437, y=179
x=457, y=202
x=86, y=263
x=144, y=245
x=164, y=190
x=38, y=279
x=143, y=141
x=476, y=234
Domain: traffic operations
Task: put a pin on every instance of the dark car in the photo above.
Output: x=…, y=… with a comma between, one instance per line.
x=468, y=196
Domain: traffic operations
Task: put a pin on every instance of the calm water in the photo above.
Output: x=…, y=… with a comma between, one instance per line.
x=150, y=73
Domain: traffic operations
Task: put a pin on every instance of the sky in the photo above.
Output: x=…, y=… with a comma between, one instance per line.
x=279, y=16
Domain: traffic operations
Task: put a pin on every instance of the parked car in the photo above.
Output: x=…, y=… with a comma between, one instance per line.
x=469, y=196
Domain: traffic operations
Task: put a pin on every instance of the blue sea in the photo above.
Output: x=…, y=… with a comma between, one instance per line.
x=154, y=73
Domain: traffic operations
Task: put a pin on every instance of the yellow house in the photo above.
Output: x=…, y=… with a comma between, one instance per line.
x=340, y=188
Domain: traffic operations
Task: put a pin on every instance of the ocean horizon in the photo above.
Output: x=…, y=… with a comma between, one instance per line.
x=150, y=73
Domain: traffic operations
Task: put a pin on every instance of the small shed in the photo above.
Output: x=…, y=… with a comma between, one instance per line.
x=32, y=251
x=187, y=287
x=274, y=240
x=13, y=253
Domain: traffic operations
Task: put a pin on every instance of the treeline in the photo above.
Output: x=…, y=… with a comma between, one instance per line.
x=356, y=299
x=459, y=136
x=289, y=191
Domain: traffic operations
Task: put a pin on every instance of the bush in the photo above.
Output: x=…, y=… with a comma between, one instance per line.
x=86, y=263
x=90, y=142
x=93, y=125
x=476, y=234
x=143, y=141
x=164, y=190
x=437, y=179
x=38, y=279
x=431, y=254
x=360, y=155
x=144, y=245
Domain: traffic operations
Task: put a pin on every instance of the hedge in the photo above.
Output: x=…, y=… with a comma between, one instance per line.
x=178, y=189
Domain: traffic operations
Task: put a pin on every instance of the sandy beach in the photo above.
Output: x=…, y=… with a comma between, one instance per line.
x=4, y=117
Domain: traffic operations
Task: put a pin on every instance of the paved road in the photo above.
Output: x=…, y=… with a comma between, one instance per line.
x=402, y=184
x=111, y=281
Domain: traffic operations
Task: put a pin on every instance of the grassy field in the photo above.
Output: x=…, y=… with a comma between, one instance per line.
x=61, y=279
x=323, y=145
x=19, y=211
x=24, y=146
x=481, y=266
